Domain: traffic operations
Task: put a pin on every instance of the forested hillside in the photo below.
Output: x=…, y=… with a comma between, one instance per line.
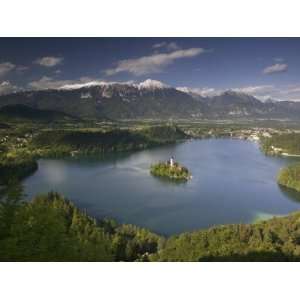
x=51, y=228
x=283, y=143
x=65, y=142
x=277, y=239
x=290, y=177
x=16, y=167
x=21, y=113
x=164, y=133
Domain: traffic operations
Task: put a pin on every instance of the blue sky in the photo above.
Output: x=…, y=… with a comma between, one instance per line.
x=264, y=67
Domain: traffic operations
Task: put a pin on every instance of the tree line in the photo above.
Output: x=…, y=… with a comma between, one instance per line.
x=51, y=228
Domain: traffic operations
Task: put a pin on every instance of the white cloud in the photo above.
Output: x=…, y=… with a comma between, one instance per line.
x=261, y=92
x=169, y=46
x=154, y=63
x=81, y=84
x=289, y=92
x=255, y=90
x=46, y=82
x=279, y=59
x=204, y=92
x=6, y=67
x=292, y=90
x=21, y=69
x=276, y=68
x=49, y=61
x=210, y=92
x=7, y=87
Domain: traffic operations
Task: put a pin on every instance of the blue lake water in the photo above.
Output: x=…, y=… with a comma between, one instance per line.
x=233, y=182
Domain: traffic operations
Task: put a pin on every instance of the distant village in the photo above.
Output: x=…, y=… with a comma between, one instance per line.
x=252, y=134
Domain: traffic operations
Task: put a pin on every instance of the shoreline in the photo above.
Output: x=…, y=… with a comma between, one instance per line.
x=289, y=155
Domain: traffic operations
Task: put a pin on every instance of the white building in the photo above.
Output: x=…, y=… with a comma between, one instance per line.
x=172, y=161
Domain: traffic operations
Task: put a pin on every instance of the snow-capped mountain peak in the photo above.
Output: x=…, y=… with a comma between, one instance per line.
x=147, y=84
x=152, y=84
x=76, y=86
x=202, y=92
x=184, y=89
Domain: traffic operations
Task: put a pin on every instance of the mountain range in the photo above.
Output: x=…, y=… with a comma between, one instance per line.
x=150, y=99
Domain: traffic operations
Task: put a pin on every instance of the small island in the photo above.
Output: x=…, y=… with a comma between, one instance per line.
x=171, y=170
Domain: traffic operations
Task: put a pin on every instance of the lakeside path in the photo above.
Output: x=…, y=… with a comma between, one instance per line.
x=290, y=155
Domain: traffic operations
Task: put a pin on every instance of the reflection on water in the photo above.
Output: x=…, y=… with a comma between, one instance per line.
x=290, y=193
x=261, y=216
x=233, y=182
x=169, y=181
x=56, y=172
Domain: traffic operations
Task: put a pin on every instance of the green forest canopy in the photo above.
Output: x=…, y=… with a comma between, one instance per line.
x=288, y=142
x=51, y=228
x=290, y=177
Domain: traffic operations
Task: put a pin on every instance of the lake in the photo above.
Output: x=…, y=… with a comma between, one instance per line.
x=233, y=182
